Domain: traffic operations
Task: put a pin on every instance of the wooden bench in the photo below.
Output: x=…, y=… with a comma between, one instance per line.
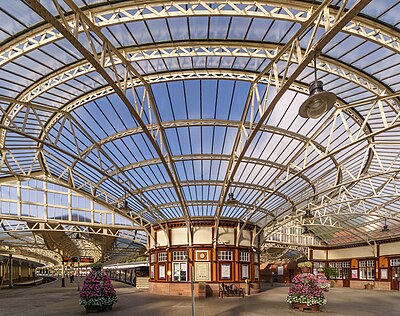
x=230, y=290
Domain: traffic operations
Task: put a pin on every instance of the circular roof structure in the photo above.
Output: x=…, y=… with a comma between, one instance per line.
x=158, y=110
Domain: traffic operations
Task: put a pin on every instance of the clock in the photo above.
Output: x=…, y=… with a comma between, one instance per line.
x=201, y=255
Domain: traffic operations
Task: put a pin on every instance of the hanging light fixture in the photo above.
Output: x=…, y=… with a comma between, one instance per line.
x=308, y=214
x=305, y=231
x=319, y=101
x=231, y=200
x=385, y=227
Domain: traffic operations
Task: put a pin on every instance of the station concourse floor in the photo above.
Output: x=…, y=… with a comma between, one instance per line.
x=52, y=299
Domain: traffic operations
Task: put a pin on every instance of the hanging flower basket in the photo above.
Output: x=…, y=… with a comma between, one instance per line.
x=305, y=267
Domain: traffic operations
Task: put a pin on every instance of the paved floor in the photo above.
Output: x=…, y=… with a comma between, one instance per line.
x=52, y=299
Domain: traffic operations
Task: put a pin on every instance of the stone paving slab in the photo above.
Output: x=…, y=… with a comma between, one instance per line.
x=52, y=299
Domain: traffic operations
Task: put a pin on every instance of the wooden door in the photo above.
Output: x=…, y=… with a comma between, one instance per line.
x=395, y=278
x=346, y=277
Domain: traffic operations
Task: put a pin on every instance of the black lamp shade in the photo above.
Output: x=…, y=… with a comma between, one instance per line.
x=231, y=200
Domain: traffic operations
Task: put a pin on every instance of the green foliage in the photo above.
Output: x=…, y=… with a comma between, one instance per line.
x=330, y=272
x=96, y=266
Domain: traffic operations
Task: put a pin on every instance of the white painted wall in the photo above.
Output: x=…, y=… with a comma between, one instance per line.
x=226, y=235
x=319, y=254
x=179, y=236
x=153, y=234
x=202, y=235
x=244, y=239
x=354, y=252
x=161, y=238
x=392, y=248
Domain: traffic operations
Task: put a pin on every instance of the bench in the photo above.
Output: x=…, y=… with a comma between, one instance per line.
x=230, y=290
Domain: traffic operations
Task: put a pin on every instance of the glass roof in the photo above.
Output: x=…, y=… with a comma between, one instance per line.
x=169, y=106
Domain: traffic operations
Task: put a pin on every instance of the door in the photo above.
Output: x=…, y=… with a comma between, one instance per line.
x=346, y=277
x=179, y=271
x=395, y=278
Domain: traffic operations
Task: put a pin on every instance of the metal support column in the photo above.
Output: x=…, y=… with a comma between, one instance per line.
x=192, y=289
x=79, y=273
x=10, y=271
x=1, y=273
x=63, y=275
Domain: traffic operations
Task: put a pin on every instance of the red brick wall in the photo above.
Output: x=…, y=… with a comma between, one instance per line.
x=183, y=289
x=378, y=285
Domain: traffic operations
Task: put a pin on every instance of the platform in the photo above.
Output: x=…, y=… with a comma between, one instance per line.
x=52, y=299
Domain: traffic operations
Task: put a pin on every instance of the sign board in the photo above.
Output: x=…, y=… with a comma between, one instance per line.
x=68, y=259
x=202, y=271
x=75, y=259
x=225, y=271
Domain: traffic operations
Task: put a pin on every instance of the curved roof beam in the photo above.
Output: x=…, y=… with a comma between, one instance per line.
x=191, y=49
x=130, y=11
x=34, y=254
x=247, y=207
x=205, y=122
x=42, y=225
x=215, y=183
x=157, y=138
x=363, y=180
x=187, y=75
x=208, y=74
x=315, y=44
x=251, y=160
x=297, y=220
x=88, y=192
x=62, y=224
x=147, y=204
x=195, y=49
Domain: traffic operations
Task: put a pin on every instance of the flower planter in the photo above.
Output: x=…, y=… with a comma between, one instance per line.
x=97, y=308
x=305, y=293
x=304, y=307
x=97, y=293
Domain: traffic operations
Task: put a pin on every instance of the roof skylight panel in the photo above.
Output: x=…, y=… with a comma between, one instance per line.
x=383, y=10
x=252, y=64
x=150, y=175
x=218, y=27
x=9, y=89
x=342, y=47
x=16, y=74
x=258, y=28
x=178, y=28
x=139, y=32
x=160, y=196
x=16, y=16
x=118, y=36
